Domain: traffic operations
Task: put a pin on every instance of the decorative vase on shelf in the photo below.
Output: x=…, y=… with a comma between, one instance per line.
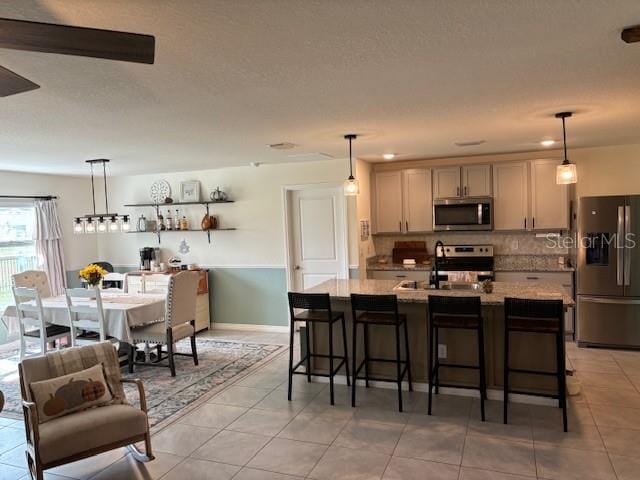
x=207, y=222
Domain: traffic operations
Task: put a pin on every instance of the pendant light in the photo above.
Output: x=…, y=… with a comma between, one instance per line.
x=100, y=222
x=565, y=173
x=351, y=187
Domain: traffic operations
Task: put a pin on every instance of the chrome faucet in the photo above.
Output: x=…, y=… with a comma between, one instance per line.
x=435, y=263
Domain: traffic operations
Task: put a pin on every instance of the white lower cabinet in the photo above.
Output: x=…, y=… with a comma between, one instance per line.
x=418, y=275
x=565, y=279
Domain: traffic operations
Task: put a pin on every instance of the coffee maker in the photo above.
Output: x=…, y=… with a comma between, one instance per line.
x=147, y=255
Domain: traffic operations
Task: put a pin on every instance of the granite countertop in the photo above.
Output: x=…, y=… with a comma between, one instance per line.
x=342, y=290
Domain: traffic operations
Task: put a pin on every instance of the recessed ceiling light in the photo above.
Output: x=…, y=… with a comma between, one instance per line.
x=471, y=143
x=389, y=156
x=547, y=143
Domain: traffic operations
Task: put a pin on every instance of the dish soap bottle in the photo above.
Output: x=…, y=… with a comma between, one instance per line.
x=184, y=223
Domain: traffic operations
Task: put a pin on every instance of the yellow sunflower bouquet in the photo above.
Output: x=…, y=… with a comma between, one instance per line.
x=92, y=274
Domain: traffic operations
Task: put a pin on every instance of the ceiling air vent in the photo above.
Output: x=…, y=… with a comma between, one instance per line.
x=282, y=146
x=472, y=143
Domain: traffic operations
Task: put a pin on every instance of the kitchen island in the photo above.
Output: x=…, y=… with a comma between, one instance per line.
x=534, y=352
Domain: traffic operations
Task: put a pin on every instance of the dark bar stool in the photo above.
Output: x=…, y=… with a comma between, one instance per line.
x=542, y=317
x=317, y=309
x=461, y=313
x=379, y=310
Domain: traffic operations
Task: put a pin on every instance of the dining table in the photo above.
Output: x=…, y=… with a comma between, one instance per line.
x=122, y=312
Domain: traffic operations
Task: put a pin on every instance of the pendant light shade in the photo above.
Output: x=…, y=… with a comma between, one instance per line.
x=567, y=172
x=351, y=186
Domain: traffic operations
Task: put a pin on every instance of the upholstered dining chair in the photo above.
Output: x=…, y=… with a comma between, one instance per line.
x=80, y=433
x=85, y=316
x=33, y=279
x=179, y=323
x=32, y=322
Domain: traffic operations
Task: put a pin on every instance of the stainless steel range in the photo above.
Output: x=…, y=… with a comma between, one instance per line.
x=465, y=262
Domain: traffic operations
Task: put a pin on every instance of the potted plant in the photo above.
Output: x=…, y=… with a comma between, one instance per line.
x=92, y=274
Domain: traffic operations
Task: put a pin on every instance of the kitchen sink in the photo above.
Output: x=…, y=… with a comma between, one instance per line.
x=409, y=285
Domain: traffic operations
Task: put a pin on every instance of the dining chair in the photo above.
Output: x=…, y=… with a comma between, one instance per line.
x=32, y=323
x=115, y=282
x=179, y=323
x=33, y=279
x=86, y=316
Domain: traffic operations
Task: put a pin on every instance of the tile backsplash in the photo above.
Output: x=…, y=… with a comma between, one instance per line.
x=503, y=243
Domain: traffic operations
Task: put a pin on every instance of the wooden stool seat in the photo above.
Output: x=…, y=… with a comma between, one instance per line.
x=381, y=318
x=318, y=316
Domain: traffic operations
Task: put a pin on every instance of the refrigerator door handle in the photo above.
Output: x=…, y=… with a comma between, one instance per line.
x=615, y=301
x=627, y=252
x=620, y=247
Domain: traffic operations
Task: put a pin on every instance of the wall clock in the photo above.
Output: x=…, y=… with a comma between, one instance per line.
x=160, y=189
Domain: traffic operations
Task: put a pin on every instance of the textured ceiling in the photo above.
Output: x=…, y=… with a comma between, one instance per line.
x=233, y=76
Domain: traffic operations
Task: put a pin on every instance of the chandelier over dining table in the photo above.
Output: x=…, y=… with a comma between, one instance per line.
x=100, y=222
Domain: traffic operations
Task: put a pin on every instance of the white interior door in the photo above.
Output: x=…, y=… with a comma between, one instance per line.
x=318, y=236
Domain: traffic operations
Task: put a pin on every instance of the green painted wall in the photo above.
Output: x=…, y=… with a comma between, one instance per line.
x=255, y=296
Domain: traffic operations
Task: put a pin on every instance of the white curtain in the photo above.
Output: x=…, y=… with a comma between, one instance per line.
x=48, y=237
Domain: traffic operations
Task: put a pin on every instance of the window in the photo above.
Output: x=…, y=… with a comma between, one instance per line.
x=17, y=249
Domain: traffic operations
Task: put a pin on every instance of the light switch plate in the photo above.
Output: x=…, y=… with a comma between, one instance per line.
x=442, y=350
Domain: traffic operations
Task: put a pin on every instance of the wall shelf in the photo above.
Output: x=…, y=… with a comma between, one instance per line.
x=158, y=206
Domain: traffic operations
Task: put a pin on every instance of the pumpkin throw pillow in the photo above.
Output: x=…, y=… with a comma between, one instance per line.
x=70, y=393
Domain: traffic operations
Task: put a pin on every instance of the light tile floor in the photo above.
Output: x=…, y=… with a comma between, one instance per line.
x=251, y=432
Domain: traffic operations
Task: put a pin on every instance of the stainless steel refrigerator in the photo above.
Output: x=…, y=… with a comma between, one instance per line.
x=609, y=271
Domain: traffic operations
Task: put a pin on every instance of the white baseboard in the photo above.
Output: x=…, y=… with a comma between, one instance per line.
x=249, y=327
x=492, y=394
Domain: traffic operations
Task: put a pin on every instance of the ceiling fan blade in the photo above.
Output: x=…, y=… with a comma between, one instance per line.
x=12, y=83
x=631, y=34
x=85, y=42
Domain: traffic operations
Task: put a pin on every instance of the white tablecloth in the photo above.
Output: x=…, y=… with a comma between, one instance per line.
x=122, y=311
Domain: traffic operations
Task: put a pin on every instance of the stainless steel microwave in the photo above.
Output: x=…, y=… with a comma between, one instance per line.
x=463, y=214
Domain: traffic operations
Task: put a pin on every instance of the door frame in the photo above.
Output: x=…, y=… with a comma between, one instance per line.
x=342, y=215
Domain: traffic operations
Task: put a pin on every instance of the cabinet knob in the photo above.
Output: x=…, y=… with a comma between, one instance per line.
x=457, y=191
x=465, y=190
x=407, y=225
x=400, y=225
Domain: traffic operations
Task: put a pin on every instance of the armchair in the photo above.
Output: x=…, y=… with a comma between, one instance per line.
x=85, y=433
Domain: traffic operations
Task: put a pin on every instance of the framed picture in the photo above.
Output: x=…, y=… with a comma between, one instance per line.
x=190, y=191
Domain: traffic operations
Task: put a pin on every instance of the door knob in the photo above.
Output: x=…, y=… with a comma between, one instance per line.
x=297, y=267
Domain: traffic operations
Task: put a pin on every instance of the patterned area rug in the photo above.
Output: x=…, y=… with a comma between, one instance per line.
x=219, y=361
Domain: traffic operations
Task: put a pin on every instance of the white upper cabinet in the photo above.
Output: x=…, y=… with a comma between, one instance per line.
x=510, y=196
x=446, y=182
x=476, y=180
x=389, y=202
x=417, y=200
x=549, y=201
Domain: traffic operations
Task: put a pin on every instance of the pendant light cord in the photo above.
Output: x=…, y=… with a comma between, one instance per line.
x=564, y=140
x=93, y=190
x=106, y=197
x=350, y=161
